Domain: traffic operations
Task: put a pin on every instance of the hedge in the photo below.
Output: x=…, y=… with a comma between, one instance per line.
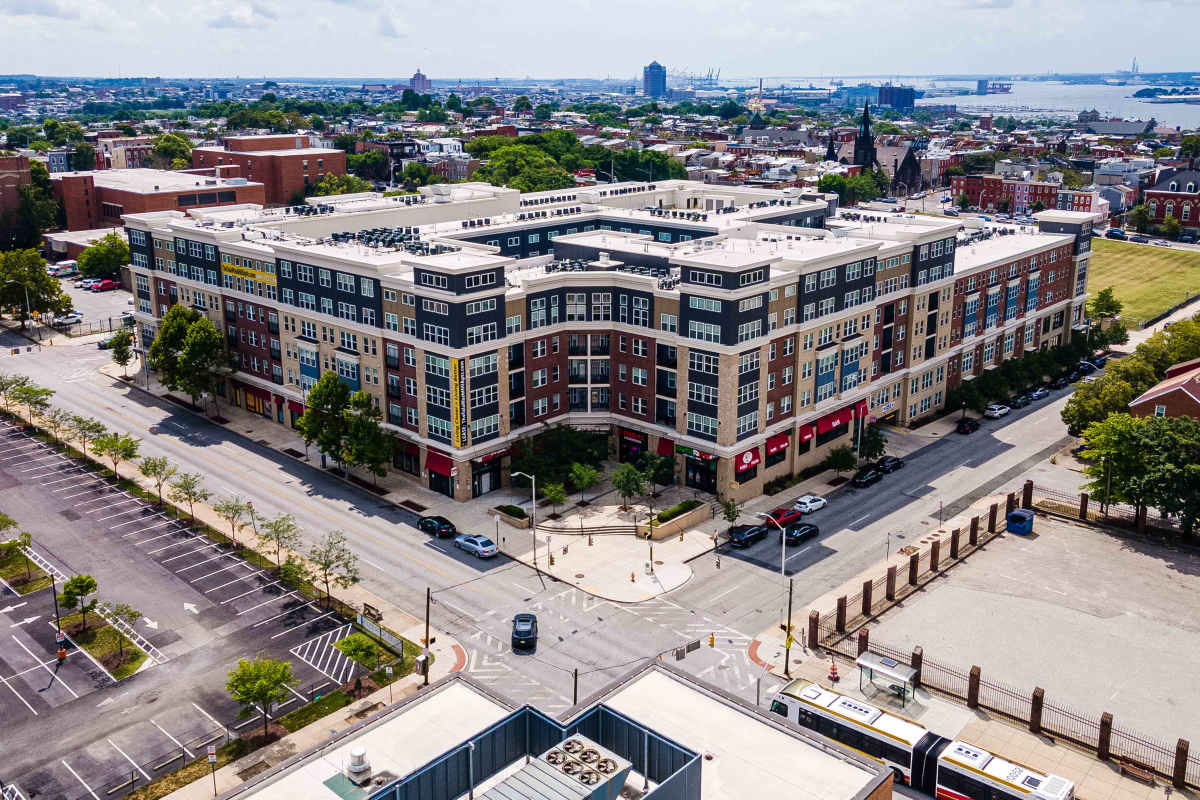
x=676, y=510
x=513, y=511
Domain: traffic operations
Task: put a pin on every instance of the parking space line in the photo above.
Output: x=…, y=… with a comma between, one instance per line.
x=267, y=602
x=171, y=532
x=35, y=459
x=169, y=546
x=210, y=716
x=208, y=546
x=114, y=516
x=38, y=660
x=178, y=743
x=73, y=772
x=205, y=561
x=130, y=522
x=39, y=467
x=303, y=699
x=93, y=487
x=238, y=580
x=127, y=758
x=113, y=505
x=237, y=563
x=63, y=480
x=18, y=694
x=308, y=622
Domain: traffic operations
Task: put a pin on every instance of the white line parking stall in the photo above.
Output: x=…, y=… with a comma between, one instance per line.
x=320, y=654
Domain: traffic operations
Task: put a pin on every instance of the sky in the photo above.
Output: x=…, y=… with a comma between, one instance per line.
x=590, y=38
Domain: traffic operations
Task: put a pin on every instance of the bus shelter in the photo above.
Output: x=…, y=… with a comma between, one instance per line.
x=897, y=678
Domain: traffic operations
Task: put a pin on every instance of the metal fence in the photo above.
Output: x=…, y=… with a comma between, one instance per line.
x=1069, y=505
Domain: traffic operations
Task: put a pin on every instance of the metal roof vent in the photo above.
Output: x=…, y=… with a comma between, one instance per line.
x=359, y=769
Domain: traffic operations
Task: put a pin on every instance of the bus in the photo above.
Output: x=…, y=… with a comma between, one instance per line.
x=944, y=768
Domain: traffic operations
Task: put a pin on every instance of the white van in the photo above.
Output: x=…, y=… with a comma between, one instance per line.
x=63, y=269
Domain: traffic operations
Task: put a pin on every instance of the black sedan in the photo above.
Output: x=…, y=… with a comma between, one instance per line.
x=746, y=535
x=1061, y=382
x=889, y=464
x=967, y=425
x=865, y=478
x=524, y=632
x=799, y=531
x=1020, y=401
x=437, y=526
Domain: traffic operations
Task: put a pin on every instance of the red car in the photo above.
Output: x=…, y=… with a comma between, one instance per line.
x=106, y=286
x=786, y=516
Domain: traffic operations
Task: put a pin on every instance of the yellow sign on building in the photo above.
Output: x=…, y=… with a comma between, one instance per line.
x=247, y=273
x=458, y=408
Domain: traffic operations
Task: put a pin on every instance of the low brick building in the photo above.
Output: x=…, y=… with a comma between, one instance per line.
x=285, y=165
x=1175, y=195
x=1176, y=395
x=14, y=173
x=97, y=199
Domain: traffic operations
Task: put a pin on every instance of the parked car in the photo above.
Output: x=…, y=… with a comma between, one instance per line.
x=889, y=464
x=809, y=503
x=479, y=546
x=85, y=283
x=996, y=410
x=1086, y=367
x=105, y=285
x=799, y=531
x=1187, y=238
x=70, y=318
x=1038, y=392
x=1060, y=382
x=1114, y=233
x=1020, y=400
x=524, y=632
x=950, y=212
x=1074, y=375
x=966, y=425
x=106, y=343
x=1099, y=361
x=1139, y=239
x=786, y=516
x=438, y=526
x=746, y=535
x=866, y=477
x=1161, y=243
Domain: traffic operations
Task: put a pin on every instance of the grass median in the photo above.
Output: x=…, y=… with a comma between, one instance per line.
x=22, y=575
x=105, y=644
x=1147, y=279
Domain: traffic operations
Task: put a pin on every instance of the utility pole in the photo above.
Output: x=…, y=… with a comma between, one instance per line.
x=428, y=598
x=575, y=690
x=787, y=650
x=54, y=594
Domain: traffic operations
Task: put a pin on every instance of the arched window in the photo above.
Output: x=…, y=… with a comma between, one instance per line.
x=1153, y=209
x=1170, y=212
x=1191, y=187
x=1187, y=212
x=1174, y=187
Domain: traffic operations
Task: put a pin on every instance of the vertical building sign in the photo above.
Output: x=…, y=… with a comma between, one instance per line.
x=458, y=402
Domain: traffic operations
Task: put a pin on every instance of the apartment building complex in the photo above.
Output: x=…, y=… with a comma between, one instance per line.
x=742, y=332
x=286, y=165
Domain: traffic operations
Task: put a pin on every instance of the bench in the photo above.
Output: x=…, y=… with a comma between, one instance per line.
x=1136, y=771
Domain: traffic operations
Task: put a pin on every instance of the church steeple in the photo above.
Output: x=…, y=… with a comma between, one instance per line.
x=831, y=151
x=864, y=142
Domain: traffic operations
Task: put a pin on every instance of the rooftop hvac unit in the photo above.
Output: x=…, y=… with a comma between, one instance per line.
x=577, y=768
x=358, y=770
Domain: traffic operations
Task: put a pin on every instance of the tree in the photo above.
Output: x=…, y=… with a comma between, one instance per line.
x=522, y=104
x=1105, y=304
x=75, y=592
x=316, y=122
x=163, y=355
x=1170, y=227
x=159, y=470
x=25, y=284
x=282, y=532
x=117, y=448
x=873, y=443
x=730, y=510
x=324, y=420
x=57, y=421
x=169, y=149
x=187, y=489
x=83, y=157
x=962, y=202
x=1138, y=218
x=86, y=430
x=658, y=469
x=9, y=385
x=294, y=573
x=555, y=494
x=333, y=561
x=370, y=164
x=125, y=613
x=121, y=345
x=360, y=648
x=1189, y=147
x=1036, y=206
x=104, y=257
x=256, y=685
x=366, y=444
x=1116, y=463
x=333, y=184
x=524, y=167
x=202, y=359
x=454, y=103
x=840, y=459
x=583, y=477
x=543, y=112
x=628, y=481
x=1171, y=449
x=728, y=110
x=233, y=510
x=36, y=399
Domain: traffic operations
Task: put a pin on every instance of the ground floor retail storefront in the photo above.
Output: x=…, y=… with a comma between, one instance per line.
x=487, y=473
x=631, y=445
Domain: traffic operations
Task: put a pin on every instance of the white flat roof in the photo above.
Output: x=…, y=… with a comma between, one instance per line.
x=398, y=743
x=750, y=757
x=1004, y=248
x=148, y=181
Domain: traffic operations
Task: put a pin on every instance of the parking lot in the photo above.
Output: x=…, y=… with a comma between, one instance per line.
x=1100, y=622
x=203, y=607
x=98, y=307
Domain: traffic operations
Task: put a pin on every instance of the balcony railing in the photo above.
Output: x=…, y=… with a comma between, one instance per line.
x=664, y=389
x=662, y=419
x=392, y=361
x=577, y=377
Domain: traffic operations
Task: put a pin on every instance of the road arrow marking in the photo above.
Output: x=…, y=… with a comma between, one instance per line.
x=190, y=608
x=25, y=621
x=6, y=609
x=152, y=624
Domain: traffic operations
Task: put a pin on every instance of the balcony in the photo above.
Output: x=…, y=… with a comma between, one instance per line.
x=392, y=361
x=394, y=391
x=664, y=389
x=394, y=418
x=576, y=376
x=666, y=356
x=599, y=376
x=275, y=354
x=273, y=327
x=665, y=420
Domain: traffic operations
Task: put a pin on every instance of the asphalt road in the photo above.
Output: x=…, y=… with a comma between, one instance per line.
x=474, y=601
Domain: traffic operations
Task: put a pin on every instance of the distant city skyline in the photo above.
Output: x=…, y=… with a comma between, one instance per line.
x=581, y=39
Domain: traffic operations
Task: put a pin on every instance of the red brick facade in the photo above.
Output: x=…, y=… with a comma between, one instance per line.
x=14, y=173
x=88, y=206
x=283, y=173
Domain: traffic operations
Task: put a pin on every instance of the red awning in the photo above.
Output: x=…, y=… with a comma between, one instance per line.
x=278, y=400
x=805, y=434
x=633, y=436
x=747, y=460
x=412, y=448
x=666, y=447
x=860, y=410
x=492, y=456
x=838, y=418
x=777, y=442
x=295, y=408
x=436, y=462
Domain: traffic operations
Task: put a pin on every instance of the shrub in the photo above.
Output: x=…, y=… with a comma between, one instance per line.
x=512, y=511
x=676, y=510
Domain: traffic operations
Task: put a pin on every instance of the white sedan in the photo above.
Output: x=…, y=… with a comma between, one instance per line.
x=810, y=503
x=481, y=546
x=996, y=410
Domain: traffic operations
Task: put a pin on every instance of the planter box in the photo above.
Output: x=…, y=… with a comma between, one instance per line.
x=516, y=522
x=686, y=521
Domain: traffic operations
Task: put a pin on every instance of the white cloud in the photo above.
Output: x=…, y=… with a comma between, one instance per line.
x=243, y=15
x=39, y=8
x=388, y=28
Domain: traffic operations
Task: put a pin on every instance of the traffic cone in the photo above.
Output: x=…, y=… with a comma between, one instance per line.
x=632, y=578
x=833, y=674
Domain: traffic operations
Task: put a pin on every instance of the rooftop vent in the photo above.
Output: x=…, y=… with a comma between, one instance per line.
x=359, y=769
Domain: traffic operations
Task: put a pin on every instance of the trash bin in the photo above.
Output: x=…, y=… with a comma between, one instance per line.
x=1020, y=521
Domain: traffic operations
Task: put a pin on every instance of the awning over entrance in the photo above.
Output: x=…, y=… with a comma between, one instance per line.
x=747, y=460
x=295, y=408
x=438, y=463
x=633, y=437
x=805, y=434
x=666, y=447
x=692, y=452
x=838, y=418
x=860, y=410
x=778, y=442
x=492, y=456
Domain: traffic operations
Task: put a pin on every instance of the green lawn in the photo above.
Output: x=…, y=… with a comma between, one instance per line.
x=24, y=577
x=1147, y=279
x=106, y=644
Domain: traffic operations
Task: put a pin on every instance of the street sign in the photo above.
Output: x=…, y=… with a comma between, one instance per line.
x=791, y=640
x=60, y=637
x=388, y=670
x=212, y=754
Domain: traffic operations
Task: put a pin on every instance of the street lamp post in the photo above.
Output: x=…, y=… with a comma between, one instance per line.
x=532, y=510
x=24, y=286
